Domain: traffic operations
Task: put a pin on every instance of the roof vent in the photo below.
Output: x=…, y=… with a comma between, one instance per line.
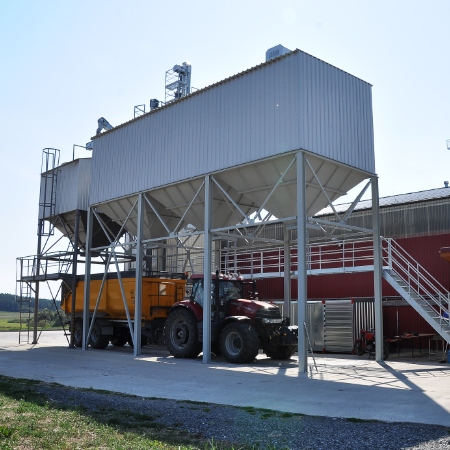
x=446, y=184
x=276, y=51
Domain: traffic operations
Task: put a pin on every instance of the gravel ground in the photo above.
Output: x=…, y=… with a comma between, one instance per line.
x=259, y=428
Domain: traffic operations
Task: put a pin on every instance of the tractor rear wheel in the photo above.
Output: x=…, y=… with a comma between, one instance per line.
x=239, y=342
x=182, y=334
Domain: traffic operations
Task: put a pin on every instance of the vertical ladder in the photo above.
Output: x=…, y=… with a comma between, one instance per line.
x=24, y=293
x=47, y=196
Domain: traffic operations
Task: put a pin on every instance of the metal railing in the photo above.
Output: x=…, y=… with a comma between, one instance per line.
x=348, y=255
x=44, y=265
x=324, y=257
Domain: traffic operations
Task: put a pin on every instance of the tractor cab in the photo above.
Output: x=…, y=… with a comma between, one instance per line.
x=223, y=287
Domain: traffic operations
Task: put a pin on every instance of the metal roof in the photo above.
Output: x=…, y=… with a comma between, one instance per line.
x=392, y=200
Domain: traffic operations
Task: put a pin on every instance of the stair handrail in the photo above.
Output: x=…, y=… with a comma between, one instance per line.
x=417, y=278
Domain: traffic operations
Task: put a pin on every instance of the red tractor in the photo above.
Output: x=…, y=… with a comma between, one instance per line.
x=239, y=326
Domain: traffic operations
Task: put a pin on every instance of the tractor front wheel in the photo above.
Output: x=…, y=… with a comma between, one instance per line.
x=239, y=342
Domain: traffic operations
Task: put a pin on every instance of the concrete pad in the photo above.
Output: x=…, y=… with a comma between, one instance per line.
x=406, y=390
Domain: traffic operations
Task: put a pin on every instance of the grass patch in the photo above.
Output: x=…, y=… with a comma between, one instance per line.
x=358, y=420
x=265, y=413
x=250, y=409
x=31, y=420
x=287, y=415
x=9, y=321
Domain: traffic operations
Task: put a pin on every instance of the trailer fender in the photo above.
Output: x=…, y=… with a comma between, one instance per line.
x=106, y=327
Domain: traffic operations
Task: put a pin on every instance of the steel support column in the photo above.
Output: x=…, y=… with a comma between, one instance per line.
x=287, y=273
x=138, y=289
x=87, y=277
x=377, y=271
x=207, y=273
x=301, y=257
x=74, y=274
x=37, y=273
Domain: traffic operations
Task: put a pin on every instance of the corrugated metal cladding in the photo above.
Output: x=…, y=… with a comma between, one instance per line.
x=420, y=218
x=393, y=200
x=293, y=102
x=73, y=181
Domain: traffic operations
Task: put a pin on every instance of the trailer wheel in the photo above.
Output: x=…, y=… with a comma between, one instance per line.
x=78, y=333
x=357, y=348
x=143, y=341
x=215, y=348
x=97, y=340
x=239, y=343
x=118, y=341
x=182, y=334
x=385, y=352
x=280, y=351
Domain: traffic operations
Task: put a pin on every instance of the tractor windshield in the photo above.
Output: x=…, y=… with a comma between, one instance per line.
x=228, y=290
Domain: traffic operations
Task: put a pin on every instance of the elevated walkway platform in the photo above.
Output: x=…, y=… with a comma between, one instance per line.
x=47, y=277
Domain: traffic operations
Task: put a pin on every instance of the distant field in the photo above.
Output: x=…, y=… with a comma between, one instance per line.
x=9, y=321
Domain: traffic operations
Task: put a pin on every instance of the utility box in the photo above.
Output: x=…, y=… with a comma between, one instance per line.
x=334, y=324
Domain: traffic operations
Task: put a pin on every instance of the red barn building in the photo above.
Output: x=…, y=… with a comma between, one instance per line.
x=419, y=222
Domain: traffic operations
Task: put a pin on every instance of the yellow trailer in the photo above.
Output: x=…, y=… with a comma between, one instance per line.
x=111, y=324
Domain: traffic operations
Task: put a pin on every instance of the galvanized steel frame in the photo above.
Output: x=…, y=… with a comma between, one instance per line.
x=301, y=225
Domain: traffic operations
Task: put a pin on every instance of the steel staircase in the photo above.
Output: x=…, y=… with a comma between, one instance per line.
x=418, y=287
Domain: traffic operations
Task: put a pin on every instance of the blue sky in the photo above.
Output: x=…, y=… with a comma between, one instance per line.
x=65, y=64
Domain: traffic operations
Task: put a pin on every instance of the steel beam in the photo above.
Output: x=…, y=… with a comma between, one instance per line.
x=87, y=278
x=138, y=289
x=207, y=272
x=377, y=271
x=287, y=273
x=74, y=274
x=301, y=256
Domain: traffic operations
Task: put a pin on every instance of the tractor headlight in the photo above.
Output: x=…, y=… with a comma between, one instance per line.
x=265, y=320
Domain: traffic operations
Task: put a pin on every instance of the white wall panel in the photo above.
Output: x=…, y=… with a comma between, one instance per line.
x=294, y=102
